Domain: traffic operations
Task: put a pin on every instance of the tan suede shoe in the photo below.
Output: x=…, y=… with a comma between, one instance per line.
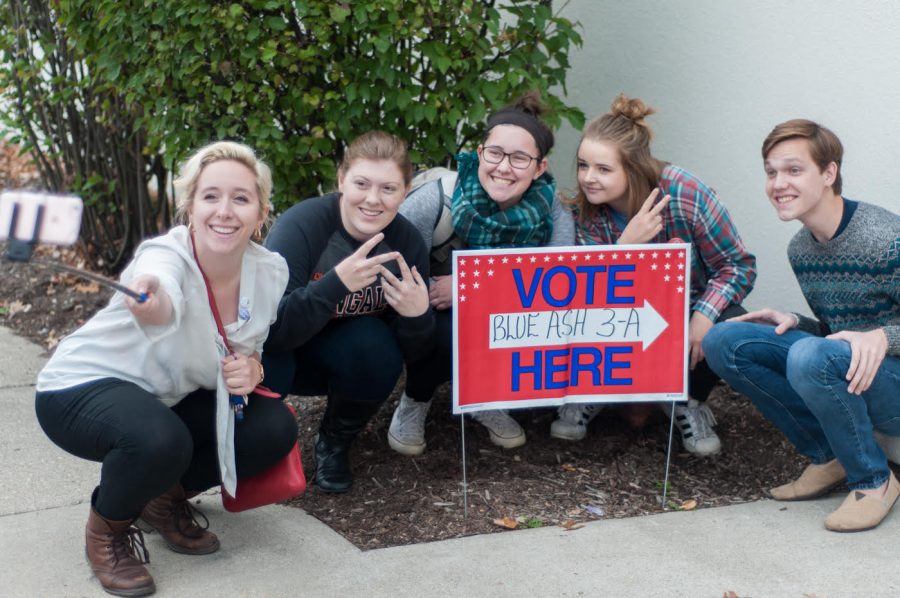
x=815, y=480
x=860, y=511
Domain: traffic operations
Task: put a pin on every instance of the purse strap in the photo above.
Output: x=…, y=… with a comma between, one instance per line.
x=237, y=401
x=212, y=302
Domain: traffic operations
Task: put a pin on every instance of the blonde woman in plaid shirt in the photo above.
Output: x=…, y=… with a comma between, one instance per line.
x=627, y=196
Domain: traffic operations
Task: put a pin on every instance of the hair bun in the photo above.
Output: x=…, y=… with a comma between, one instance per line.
x=530, y=103
x=634, y=109
x=526, y=112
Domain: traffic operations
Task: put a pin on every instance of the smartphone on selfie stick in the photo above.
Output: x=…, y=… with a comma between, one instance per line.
x=31, y=217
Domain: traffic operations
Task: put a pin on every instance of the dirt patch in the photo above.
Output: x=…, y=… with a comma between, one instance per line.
x=615, y=472
x=43, y=305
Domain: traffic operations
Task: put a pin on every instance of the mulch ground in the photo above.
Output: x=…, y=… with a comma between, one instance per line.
x=615, y=472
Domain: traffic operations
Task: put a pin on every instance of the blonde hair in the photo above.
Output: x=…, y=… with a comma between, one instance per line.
x=378, y=146
x=824, y=145
x=186, y=183
x=624, y=127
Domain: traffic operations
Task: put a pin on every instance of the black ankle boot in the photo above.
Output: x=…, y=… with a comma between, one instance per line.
x=333, y=464
x=343, y=420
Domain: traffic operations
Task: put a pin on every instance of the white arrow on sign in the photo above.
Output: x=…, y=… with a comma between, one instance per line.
x=570, y=326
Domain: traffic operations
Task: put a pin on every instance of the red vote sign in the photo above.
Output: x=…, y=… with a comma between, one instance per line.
x=547, y=326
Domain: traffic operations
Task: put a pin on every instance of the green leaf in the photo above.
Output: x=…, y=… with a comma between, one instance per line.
x=339, y=14
x=532, y=522
x=442, y=63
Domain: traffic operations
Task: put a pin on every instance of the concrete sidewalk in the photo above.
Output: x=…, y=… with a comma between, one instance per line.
x=760, y=550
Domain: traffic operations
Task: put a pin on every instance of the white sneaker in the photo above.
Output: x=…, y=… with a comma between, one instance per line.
x=572, y=420
x=407, y=432
x=695, y=421
x=505, y=431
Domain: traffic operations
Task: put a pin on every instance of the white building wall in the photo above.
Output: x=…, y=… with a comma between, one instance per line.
x=722, y=73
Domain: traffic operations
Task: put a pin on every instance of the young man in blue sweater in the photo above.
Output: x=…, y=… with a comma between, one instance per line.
x=829, y=382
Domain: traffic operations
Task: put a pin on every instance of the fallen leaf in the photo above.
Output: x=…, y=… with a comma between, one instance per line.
x=507, y=522
x=570, y=525
x=89, y=287
x=60, y=278
x=18, y=307
x=689, y=505
x=52, y=339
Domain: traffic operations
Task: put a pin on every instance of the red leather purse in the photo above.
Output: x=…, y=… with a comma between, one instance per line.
x=280, y=482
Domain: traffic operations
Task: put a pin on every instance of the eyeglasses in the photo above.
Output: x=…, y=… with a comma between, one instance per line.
x=495, y=155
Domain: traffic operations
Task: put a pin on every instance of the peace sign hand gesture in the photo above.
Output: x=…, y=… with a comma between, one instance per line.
x=409, y=295
x=357, y=271
x=647, y=223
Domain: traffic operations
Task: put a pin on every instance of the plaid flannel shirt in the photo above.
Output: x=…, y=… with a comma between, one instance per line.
x=722, y=270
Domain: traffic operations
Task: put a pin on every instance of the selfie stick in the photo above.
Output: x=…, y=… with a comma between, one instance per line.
x=20, y=251
x=139, y=297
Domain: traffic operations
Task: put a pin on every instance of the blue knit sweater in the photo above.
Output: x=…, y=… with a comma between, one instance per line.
x=852, y=282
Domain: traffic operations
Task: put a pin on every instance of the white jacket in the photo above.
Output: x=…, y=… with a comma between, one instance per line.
x=177, y=358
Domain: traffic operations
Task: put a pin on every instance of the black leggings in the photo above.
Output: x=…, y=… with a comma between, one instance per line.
x=146, y=447
x=701, y=380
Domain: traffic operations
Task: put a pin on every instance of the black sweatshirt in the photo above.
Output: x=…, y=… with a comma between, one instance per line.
x=312, y=239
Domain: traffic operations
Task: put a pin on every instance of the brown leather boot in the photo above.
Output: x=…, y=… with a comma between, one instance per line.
x=176, y=521
x=117, y=555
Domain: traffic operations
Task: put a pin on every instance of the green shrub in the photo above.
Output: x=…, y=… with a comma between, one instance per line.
x=296, y=80
x=80, y=132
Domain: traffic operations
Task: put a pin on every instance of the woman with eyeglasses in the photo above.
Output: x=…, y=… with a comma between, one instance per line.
x=501, y=196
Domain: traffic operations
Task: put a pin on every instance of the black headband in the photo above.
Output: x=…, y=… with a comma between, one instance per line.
x=543, y=136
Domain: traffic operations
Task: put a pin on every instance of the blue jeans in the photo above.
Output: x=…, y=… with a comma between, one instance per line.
x=798, y=382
